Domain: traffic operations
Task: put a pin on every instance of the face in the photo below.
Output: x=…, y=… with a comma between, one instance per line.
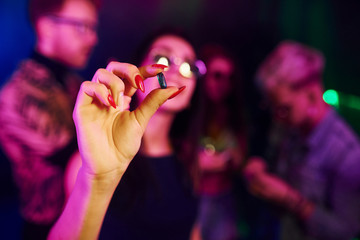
x=179, y=55
x=290, y=106
x=75, y=34
x=218, y=78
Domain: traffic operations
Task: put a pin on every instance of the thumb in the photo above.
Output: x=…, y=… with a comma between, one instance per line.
x=151, y=104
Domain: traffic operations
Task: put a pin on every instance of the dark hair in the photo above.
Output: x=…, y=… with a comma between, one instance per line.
x=234, y=101
x=180, y=129
x=183, y=120
x=38, y=8
x=234, y=104
x=143, y=48
x=211, y=50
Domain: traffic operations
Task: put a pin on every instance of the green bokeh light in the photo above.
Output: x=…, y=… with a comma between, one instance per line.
x=331, y=97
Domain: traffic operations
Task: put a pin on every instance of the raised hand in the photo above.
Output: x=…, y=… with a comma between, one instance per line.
x=109, y=134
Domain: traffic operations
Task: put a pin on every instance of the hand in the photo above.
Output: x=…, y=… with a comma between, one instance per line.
x=272, y=188
x=213, y=161
x=110, y=137
x=264, y=184
x=269, y=187
x=255, y=166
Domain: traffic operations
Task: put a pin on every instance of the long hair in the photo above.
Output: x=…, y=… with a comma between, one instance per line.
x=233, y=103
x=179, y=132
x=184, y=120
x=234, y=100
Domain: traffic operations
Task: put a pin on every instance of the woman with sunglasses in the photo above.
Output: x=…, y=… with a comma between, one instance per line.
x=154, y=199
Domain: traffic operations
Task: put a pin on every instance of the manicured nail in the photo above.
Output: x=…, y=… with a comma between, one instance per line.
x=159, y=66
x=176, y=93
x=140, y=83
x=111, y=101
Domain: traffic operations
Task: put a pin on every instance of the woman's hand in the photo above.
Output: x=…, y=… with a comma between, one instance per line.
x=109, y=136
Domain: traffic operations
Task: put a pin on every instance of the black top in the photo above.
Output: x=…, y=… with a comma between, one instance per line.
x=59, y=70
x=154, y=200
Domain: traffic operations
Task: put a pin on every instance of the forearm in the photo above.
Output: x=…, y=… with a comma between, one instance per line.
x=297, y=204
x=316, y=218
x=85, y=210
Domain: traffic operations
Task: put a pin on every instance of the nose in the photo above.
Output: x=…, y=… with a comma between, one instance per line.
x=173, y=74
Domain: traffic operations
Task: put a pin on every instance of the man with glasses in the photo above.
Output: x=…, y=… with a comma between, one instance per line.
x=37, y=132
x=317, y=179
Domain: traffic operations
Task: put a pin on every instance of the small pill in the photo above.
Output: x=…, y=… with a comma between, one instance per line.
x=161, y=79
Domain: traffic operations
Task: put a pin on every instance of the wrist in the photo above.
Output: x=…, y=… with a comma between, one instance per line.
x=86, y=207
x=100, y=183
x=297, y=204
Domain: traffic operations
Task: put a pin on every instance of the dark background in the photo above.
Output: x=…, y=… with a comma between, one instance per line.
x=249, y=28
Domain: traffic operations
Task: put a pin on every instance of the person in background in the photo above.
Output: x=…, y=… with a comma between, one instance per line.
x=222, y=144
x=36, y=104
x=315, y=180
x=154, y=199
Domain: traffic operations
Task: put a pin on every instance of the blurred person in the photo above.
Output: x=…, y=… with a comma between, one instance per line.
x=154, y=199
x=100, y=114
x=36, y=104
x=222, y=144
x=315, y=179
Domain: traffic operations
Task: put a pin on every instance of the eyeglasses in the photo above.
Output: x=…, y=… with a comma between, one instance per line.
x=82, y=27
x=187, y=69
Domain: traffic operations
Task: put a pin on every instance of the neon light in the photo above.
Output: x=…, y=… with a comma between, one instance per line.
x=331, y=97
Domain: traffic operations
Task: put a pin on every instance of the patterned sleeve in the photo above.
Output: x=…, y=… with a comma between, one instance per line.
x=35, y=124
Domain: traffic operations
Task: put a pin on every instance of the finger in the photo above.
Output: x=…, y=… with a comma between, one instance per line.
x=113, y=82
x=152, y=70
x=127, y=101
x=130, y=74
x=90, y=90
x=151, y=103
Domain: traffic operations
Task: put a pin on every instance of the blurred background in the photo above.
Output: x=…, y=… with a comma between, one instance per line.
x=250, y=28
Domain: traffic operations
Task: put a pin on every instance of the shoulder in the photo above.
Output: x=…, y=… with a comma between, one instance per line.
x=334, y=134
x=342, y=135
x=334, y=144
x=30, y=69
x=344, y=146
x=27, y=77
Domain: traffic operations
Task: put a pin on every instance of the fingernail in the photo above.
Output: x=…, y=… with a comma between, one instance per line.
x=159, y=66
x=140, y=83
x=176, y=93
x=111, y=101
